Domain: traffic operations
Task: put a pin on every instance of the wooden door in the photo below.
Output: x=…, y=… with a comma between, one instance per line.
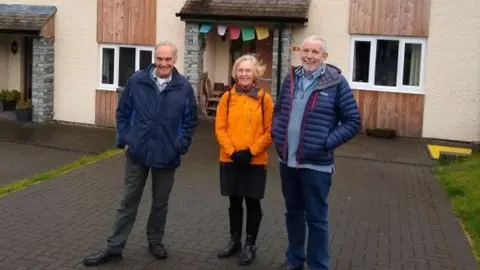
x=264, y=51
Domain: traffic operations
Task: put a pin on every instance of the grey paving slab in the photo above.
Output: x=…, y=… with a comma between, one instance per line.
x=19, y=161
x=59, y=136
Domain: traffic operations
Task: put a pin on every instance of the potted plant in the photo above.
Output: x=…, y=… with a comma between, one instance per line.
x=9, y=99
x=23, y=110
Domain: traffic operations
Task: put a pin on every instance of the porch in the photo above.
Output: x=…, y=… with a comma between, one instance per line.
x=220, y=53
x=217, y=34
x=26, y=62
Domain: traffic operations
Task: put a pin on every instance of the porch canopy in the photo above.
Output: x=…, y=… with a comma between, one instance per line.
x=265, y=11
x=25, y=18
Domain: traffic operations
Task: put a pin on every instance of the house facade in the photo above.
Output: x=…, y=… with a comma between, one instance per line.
x=413, y=64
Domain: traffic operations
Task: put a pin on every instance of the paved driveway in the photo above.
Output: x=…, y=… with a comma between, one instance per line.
x=386, y=212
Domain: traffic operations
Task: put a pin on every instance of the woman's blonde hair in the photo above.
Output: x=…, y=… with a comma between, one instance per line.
x=259, y=67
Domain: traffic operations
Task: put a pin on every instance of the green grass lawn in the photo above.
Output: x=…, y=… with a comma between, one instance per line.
x=83, y=161
x=461, y=181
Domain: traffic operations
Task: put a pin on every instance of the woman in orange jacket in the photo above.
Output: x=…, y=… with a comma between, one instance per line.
x=242, y=127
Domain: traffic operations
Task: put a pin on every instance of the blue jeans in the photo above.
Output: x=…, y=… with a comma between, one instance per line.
x=305, y=192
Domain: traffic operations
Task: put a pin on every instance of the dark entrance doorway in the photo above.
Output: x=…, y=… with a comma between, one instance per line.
x=28, y=60
x=263, y=49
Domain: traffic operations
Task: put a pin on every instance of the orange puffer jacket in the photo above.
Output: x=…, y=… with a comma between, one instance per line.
x=244, y=128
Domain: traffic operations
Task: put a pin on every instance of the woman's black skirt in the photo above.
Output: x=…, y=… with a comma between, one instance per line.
x=243, y=180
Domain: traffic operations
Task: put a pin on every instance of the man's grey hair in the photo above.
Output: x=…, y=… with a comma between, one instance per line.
x=167, y=43
x=317, y=38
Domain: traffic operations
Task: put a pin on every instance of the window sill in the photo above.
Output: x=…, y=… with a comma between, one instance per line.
x=104, y=88
x=387, y=89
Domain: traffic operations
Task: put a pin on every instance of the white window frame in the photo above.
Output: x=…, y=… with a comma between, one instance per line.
x=116, y=48
x=400, y=88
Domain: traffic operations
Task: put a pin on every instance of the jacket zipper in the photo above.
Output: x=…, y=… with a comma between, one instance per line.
x=292, y=91
x=310, y=106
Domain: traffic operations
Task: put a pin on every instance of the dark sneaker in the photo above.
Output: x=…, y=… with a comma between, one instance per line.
x=158, y=251
x=286, y=266
x=101, y=258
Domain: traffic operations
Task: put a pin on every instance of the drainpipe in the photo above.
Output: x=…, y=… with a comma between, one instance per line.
x=279, y=59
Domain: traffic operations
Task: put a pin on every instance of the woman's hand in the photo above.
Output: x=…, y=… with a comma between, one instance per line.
x=242, y=157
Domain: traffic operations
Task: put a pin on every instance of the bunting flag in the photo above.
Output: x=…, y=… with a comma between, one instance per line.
x=234, y=32
x=205, y=28
x=221, y=29
x=248, y=33
x=262, y=32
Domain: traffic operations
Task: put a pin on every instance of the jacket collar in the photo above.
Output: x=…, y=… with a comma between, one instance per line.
x=252, y=93
x=174, y=84
x=331, y=75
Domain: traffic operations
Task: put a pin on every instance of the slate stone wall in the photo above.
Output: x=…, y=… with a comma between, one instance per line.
x=285, y=55
x=193, y=57
x=42, y=79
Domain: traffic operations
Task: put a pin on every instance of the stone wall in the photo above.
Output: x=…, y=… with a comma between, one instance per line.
x=193, y=59
x=42, y=79
x=285, y=55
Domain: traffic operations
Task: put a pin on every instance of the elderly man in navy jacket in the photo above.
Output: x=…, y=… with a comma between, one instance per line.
x=156, y=118
x=315, y=112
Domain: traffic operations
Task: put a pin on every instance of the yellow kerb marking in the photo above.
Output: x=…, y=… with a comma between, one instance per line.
x=435, y=150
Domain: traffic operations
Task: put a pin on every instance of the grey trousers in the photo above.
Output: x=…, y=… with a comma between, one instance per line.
x=135, y=178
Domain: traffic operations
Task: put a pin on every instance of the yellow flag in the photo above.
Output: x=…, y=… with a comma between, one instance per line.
x=262, y=32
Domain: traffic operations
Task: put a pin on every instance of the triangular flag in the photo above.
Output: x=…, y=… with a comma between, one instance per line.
x=221, y=29
x=205, y=28
x=234, y=32
x=262, y=32
x=248, y=33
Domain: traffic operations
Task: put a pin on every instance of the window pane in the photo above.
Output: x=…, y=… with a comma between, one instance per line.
x=411, y=68
x=361, y=61
x=126, y=65
x=107, y=65
x=145, y=59
x=386, y=62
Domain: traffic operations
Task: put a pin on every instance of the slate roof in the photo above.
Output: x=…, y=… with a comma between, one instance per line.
x=262, y=9
x=25, y=17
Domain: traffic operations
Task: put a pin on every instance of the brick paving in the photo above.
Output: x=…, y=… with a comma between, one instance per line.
x=386, y=212
x=18, y=161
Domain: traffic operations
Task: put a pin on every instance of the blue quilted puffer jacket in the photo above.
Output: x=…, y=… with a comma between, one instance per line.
x=331, y=118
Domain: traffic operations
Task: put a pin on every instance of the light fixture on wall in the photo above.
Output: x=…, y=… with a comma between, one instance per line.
x=14, y=47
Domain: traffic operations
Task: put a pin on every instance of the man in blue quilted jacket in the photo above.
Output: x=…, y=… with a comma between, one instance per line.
x=315, y=112
x=156, y=119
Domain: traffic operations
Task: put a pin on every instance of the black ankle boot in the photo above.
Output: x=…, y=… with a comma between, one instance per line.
x=235, y=243
x=249, y=251
x=233, y=246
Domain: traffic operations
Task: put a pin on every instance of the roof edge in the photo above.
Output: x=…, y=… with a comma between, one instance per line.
x=27, y=9
x=223, y=18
